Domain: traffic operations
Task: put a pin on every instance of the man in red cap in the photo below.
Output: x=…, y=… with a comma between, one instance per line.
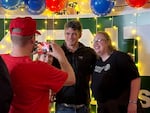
x=31, y=80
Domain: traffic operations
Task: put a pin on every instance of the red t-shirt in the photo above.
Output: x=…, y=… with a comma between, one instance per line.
x=31, y=81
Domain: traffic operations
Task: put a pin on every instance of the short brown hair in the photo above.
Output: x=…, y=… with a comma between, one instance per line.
x=74, y=24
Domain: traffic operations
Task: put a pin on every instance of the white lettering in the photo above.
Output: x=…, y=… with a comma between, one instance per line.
x=99, y=69
x=144, y=95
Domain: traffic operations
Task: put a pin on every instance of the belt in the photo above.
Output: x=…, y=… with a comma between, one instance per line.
x=72, y=105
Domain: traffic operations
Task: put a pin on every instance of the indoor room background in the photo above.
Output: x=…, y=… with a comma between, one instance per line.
x=130, y=33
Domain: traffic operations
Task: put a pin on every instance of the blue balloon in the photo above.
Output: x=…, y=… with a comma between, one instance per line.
x=25, y=1
x=102, y=7
x=10, y=4
x=35, y=6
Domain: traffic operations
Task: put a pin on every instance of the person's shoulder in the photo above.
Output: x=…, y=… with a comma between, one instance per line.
x=4, y=55
x=89, y=50
x=34, y=65
x=122, y=56
x=120, y=53
x=85, y=47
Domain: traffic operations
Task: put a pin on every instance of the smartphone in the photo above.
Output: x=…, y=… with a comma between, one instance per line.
x=42, y=47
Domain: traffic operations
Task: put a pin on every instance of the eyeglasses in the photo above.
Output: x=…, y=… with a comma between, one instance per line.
x=98, y=40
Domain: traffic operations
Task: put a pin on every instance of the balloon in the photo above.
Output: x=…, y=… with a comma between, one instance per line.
x=56, y=5
x=35, y=6
x=136, y=3
x=26, y=1
x=101, y=7
x=10, y=4
x=84, y=6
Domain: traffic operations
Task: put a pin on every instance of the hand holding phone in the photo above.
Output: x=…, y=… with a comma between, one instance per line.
x=43, y=47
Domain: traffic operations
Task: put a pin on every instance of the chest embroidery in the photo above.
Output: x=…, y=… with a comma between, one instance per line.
x=80, y=57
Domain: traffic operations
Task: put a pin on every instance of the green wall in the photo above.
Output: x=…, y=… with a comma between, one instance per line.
x=90, y=23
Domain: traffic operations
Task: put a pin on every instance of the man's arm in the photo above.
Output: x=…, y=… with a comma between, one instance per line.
x=59, y=54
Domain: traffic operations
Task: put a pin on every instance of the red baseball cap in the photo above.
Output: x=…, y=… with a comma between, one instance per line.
x=27, y=26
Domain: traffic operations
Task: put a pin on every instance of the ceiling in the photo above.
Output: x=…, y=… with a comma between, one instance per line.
x=120, y=7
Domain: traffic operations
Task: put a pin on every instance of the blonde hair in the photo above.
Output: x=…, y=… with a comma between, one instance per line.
x=108, y=40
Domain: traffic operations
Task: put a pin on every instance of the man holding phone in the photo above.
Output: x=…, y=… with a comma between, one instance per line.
x=32, y=80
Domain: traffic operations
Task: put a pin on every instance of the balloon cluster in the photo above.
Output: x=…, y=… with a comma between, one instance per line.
x=103, y=7
x=34, y=6
x=98, y=7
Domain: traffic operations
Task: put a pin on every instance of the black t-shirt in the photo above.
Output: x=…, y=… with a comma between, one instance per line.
x=112, y=77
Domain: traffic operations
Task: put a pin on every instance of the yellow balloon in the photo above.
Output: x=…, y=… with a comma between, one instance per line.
x=84, y=6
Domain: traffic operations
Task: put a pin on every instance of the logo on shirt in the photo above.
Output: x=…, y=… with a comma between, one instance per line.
x=99, y=69
x=80, y=57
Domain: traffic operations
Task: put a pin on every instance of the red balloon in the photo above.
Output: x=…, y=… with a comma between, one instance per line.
x=55, y=5
x=136, y=3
